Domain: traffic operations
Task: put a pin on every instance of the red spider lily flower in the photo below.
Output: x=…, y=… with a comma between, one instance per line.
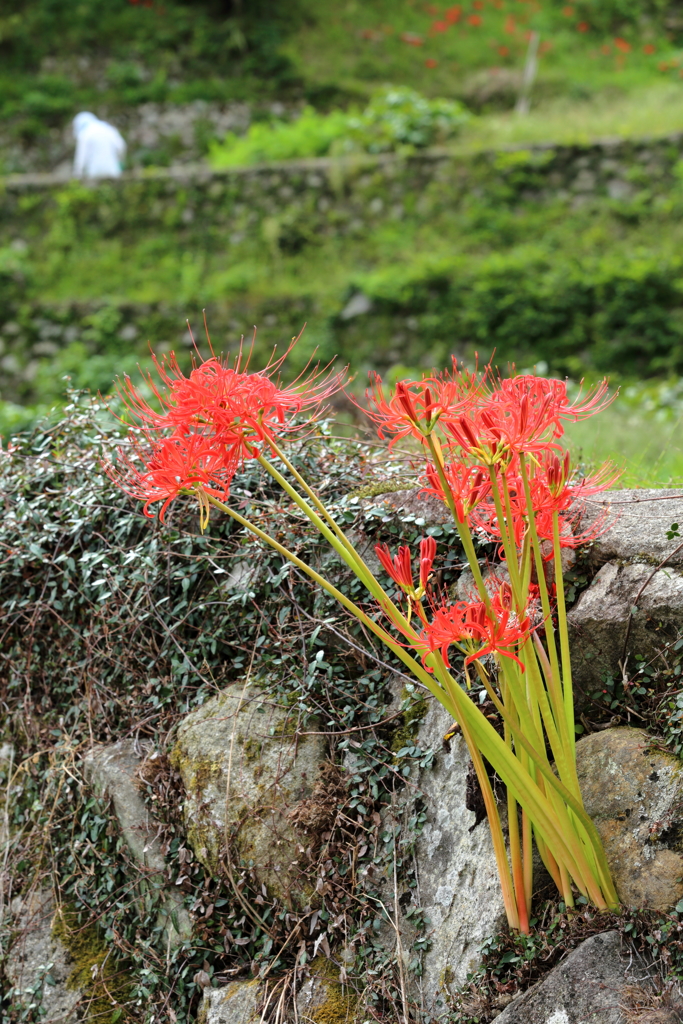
x=239, y=408
x=499, y=431
x=475, y=631
x=568, y=12
x=412, y=39
x=439, y=26
x=510, y=27
x=622, y=45
x=475, y=20
x=467, y=486
x=427, y=556
x=583, y=26
x=453, y=15
x=552, y=491
x=400, y=567
x=431, y=63
x=540, y=405
x=162, y=468
x=415, y=407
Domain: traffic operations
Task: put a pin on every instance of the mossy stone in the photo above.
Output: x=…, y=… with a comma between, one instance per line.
x=244, y=767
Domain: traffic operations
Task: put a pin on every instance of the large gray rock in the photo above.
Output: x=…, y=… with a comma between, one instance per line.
x=244, y=768
x=616, y=619
x=236, y=1003
x=589, y=987
x=458, y=884
x=112, y=771
x=38, y=966
x=635, y=797
x=638, y=521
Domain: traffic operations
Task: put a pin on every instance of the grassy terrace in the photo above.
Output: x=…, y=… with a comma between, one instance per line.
x=580, y=288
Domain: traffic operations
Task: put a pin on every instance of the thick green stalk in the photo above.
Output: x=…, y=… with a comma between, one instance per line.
x=540, y=569
x=567, y=685
x=509, y=546
x=462, y=527
x=341, y=545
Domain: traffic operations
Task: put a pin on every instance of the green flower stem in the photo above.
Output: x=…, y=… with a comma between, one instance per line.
x=557, y=810
x=313, y=497
x=420, y=673
x=497, y=837
x=540, y=575
x=509, y=546
x=342, y=546
x=462, y=528
x=564, y=636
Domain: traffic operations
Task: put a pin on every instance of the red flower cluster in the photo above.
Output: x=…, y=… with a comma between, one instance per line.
x=400, y=567
x=476, y=629
x=496, y=461
x=203, y=425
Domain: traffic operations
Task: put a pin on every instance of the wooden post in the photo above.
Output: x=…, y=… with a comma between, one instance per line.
x=530, y=69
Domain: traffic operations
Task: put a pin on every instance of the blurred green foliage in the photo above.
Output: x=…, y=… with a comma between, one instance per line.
x=395, y=119
x=56, y=58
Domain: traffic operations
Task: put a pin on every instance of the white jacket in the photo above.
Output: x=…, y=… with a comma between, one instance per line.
x=100, y=148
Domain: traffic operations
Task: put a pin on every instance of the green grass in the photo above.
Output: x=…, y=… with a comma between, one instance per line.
x=654, y=110
x=647, y=449
x=358, y=44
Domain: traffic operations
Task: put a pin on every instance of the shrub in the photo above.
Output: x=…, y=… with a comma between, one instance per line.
x=394, y=119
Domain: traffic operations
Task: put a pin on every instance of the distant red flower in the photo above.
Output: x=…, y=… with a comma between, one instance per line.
x=546, y=46
x=510, y=26
x=475, y=20
x=431, y=63
x=412, y=39
x=568, y=12
x=453, y=15
x=503, y=51
x=622, y=45
x=478, y=5
x=649, y=48
x=439, y=26
x=583, y=26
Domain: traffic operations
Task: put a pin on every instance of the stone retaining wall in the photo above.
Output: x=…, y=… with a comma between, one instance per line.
x=285, y=206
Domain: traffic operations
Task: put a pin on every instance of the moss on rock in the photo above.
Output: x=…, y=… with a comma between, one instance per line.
x=95, y=973
x=323, y=1000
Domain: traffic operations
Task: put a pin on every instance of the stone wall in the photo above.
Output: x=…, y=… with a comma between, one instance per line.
x=282, y=207
x=352, y=193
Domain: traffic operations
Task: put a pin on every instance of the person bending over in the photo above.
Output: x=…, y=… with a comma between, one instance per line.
x=100, y=148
